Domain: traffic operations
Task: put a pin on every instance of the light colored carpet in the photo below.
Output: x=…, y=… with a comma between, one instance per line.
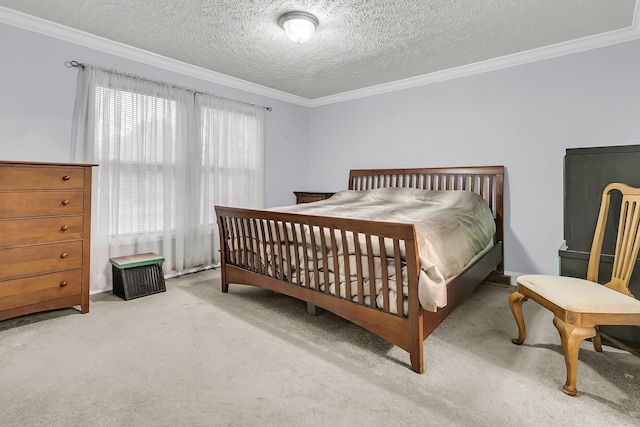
x=194, y=356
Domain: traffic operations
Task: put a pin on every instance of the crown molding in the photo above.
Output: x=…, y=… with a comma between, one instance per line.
x=58, y=31
x=32, y=23
x=547, y=52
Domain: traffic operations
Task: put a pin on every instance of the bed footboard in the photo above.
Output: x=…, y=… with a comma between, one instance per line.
x=350, y=267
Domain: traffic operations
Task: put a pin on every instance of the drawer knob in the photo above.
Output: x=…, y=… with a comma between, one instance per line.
x=65, y=202
x=63, y=284
x=66, y=178
x=64, y=254
x=64, y=228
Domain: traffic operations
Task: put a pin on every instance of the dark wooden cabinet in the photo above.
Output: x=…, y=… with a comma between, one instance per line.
x=311, y=196
x=587, y=171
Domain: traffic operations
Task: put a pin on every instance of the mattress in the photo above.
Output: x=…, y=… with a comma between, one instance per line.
x=452, y=229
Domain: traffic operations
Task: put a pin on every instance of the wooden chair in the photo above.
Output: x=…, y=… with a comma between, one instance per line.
x=581, y=305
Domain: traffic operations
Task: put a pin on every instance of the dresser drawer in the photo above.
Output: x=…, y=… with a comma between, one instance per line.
x=15, y=232
x=40, y=203
x=40, y=288
x=37, y=259
x=41, y=178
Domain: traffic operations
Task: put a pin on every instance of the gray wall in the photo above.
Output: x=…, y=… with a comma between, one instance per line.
x=523, y=117
x=37, y=94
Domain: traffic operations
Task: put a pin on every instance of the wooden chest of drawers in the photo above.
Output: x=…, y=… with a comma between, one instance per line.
x=45, y=224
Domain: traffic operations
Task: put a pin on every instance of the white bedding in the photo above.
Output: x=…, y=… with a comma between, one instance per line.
x=452, y=227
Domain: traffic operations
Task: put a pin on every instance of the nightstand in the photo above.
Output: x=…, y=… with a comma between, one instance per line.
x=310, y=196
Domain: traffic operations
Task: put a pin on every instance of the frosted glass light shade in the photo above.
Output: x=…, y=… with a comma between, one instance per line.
x=299, y=26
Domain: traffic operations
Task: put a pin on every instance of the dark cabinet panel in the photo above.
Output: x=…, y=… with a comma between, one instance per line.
x=587, y=171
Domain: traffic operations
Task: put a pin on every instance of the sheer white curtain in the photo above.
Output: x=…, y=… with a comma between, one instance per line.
x=165, y=157
x=235, y=164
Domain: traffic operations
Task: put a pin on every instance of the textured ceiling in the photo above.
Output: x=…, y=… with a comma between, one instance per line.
x=358, y=44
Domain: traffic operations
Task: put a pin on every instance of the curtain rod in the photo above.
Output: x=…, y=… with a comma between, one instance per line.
x=76, y=64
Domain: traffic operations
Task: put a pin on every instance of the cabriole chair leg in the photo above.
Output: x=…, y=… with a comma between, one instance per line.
x=571, y=337
x=597, y=341
x=515, y=303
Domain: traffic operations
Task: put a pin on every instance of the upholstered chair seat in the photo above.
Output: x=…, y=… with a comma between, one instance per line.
x=580, y=295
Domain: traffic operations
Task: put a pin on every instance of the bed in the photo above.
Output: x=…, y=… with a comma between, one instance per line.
x=354, y=266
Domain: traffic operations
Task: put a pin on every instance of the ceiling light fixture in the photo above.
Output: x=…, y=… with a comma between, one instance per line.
x=299, y=26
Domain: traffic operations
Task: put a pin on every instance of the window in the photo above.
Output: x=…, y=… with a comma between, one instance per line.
x=130, y=131
x=166, y=157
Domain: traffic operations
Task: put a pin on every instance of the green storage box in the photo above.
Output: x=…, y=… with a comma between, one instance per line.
x=136, y=276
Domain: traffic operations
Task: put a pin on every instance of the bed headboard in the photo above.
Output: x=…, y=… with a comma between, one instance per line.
x=487, y=181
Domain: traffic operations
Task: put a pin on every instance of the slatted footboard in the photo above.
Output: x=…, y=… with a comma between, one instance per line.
x=349, y=267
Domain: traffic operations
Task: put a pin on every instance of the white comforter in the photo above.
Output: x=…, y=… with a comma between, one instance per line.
x=451, y=228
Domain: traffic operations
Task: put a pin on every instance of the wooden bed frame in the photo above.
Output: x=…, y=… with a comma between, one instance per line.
x=243, y=231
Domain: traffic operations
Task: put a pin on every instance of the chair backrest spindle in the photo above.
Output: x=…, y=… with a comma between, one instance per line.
x=627, y=240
